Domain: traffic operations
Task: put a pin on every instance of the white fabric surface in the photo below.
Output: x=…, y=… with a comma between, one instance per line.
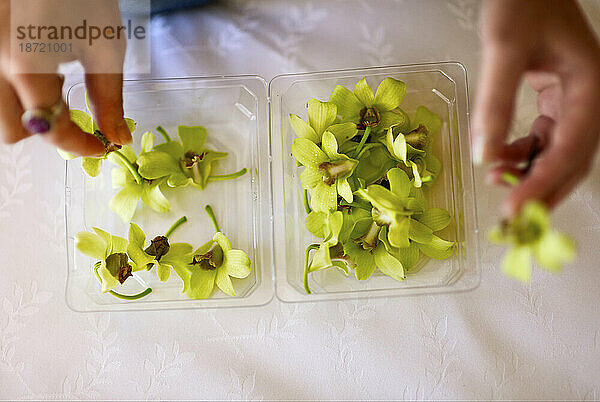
x=503, y=340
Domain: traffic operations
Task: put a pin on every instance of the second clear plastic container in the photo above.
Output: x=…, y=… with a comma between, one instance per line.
x=441, y=87
x=262, y=212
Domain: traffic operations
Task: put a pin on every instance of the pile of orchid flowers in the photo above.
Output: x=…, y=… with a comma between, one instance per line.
x=367, y=166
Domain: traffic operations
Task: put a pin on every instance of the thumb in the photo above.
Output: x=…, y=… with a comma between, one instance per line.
x=105, y=92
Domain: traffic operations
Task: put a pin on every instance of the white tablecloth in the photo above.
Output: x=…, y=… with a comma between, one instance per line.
x=503, y=340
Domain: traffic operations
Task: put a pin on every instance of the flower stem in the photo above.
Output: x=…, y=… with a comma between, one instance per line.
x=228, y=176
x=212, y=217
x=174, y=226
x=307, y=207
x=363, y=140
x=136, y=175
x=163, y=132
x=136, y=296
x=311, y=247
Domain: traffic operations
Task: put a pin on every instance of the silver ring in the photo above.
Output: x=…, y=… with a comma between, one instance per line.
x=42, y=120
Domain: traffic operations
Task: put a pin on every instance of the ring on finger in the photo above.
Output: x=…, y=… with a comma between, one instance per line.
x=42, y=120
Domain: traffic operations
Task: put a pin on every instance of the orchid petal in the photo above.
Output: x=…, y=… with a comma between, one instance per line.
x=389, y=94
x=192, y=138
x=303, y=129
x=156, y=164
x=223, y=282
x=388, y=264
x=364, y=93
x=91, y=166
x=236, y=263
x=307, y=153
x=91, y=245
x=321, y=115
x=125, y=202
x=348, y=105
x=517, y=263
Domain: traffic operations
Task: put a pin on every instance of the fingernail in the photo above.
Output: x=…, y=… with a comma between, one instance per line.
x=477, y=150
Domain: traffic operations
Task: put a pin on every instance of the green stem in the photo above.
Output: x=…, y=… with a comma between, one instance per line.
x=212, y=217
x=363, y=140
x=163, y=132
x=306, y=203
x=228, y=176
x=136, y=175
x=174, y=226
x=143, y=293
x=311, y=247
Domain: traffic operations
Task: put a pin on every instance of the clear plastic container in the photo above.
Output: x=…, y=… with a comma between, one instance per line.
x=262, y=212
x=235, y=113
x=442, y=87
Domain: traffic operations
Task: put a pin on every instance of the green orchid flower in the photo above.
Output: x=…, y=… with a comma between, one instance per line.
x=214, y=263
x=185, y=163
x=423, y=121
x=114, y=267
x=379, y=112
x=321, y=118
x=326, y=171
x=326, y=225
x=111, y=250
x=335, y=228
x=530, y=237
x=403, y=211
x=392, y=207
x=160, y=253
x=400, y=150
x=414, y=148
x=426, y=118
x=133, y=187
x=93, y=166
x=367, y=253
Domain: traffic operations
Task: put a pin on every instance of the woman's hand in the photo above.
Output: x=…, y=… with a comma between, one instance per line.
x=550, y=44
x=21, y=90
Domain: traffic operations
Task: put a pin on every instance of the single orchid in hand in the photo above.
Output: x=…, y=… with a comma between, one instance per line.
x=530, y=236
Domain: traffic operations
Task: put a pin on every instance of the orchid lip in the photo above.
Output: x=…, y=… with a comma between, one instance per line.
x=332, y=170
x=369, y=240
x=368, y=117
x=118, y=266
x=210, y=260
